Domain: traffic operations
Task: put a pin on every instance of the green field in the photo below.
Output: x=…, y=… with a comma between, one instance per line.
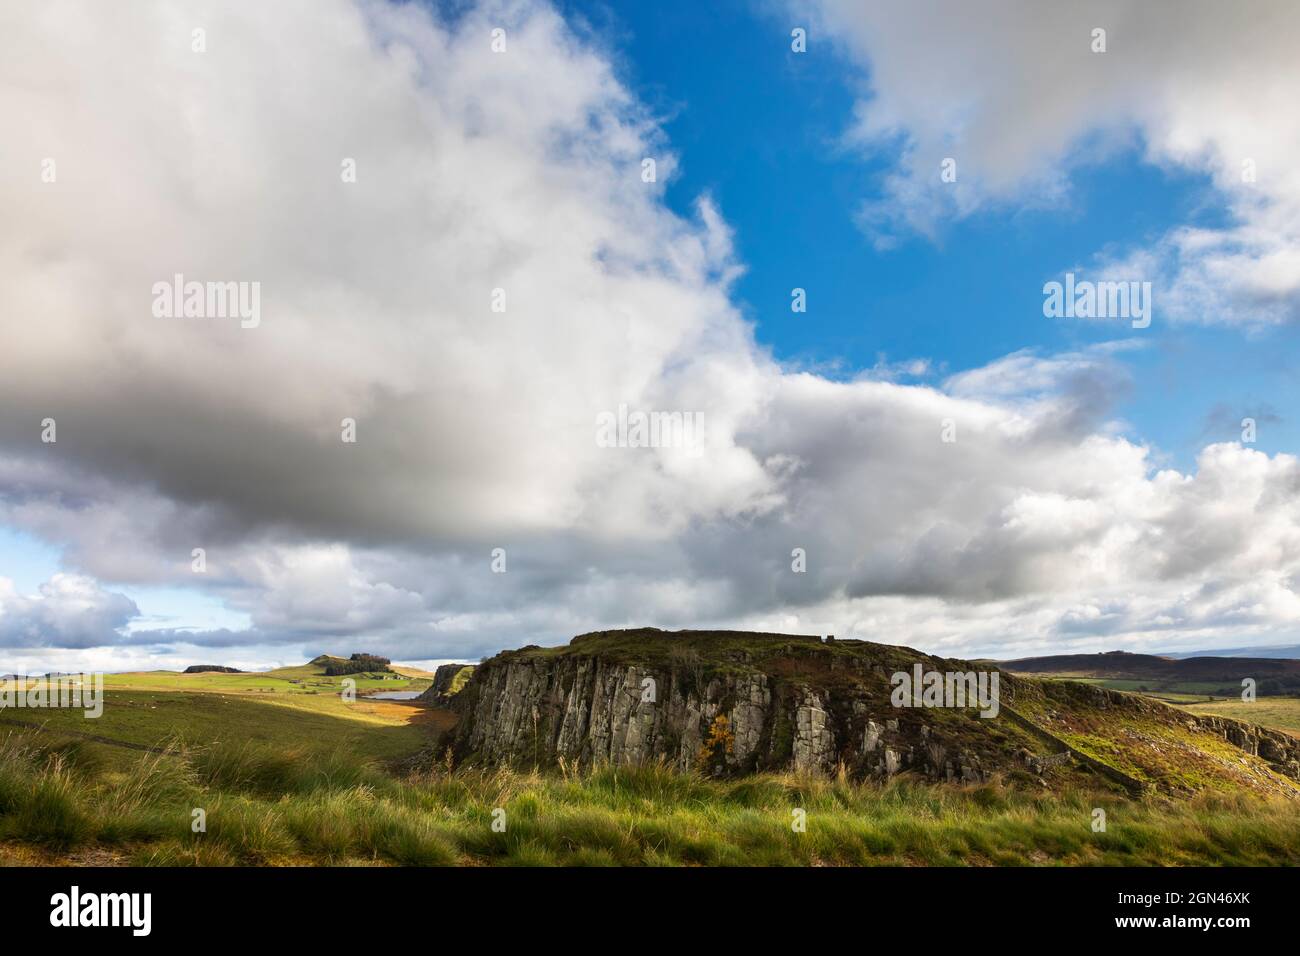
x=292, y=708
x=1278, y=713
x=153, y=719
x=306, y=679
x=1165, y=690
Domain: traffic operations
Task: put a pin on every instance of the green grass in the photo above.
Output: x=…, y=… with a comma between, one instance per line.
x=306, y=679
x=1277, y=713
x=290, y=708
x=1166, y=688
x=264, y=806
x=284, y=721
x=460, y=679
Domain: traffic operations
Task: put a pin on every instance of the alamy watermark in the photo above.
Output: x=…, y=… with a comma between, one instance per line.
x=179, y=299
x=1106, y=299
x=54, y=691
x=75, y=908
x=946, y=689
x=638, y=429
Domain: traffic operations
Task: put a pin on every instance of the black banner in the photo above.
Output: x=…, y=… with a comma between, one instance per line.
x=142, y=905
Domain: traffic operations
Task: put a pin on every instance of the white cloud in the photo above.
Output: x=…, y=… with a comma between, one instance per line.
x=476, y=429
x=69, y=610
x=1012, y=90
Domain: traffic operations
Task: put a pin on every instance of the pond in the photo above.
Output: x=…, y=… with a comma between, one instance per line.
x=393, y=695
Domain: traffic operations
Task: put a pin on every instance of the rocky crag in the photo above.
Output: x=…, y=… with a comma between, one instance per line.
x=738, y=702
x=448, y=680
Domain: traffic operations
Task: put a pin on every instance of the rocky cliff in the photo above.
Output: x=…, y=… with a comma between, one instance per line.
x=737, y=702
x=448, y=680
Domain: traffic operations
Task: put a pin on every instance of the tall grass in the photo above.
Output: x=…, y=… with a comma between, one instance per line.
x=265, y=807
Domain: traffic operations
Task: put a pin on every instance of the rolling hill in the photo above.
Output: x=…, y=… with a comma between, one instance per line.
x=297, y=708
x=1220, y=676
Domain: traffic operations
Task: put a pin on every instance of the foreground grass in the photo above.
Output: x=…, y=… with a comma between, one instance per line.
x=59, y=803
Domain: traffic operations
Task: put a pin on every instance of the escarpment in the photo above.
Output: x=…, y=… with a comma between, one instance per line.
x=448, y=680
x=730, y=703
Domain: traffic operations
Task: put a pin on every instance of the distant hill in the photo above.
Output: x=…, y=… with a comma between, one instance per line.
x=211, y=668
x=323, y=660
x=1290, y=651
x=1272, y=675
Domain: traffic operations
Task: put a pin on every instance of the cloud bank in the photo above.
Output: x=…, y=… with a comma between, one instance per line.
x=1015, y=92
x=485, y=177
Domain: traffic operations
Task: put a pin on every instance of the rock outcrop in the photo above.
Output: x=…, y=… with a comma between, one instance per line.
x=786, y=702
x=448, y=679
x=738, y=702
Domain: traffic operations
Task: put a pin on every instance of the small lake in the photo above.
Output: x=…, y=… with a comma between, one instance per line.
x=393, y=695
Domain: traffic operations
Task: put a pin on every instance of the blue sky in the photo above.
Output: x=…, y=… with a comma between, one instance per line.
x=29, y=562
x=1098, y=496
x=776, y=159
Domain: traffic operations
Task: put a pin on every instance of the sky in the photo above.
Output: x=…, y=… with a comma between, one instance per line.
x=456, y=244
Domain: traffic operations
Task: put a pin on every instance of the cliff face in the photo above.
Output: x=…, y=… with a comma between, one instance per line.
x=448, y=679
x=730, y=703
x=589, y=709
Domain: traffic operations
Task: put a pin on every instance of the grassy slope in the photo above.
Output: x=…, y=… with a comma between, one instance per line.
x=263, y=809
x=292, y=707
x=1275, y=713
x=304, y=679
x=461, y=679
x=1149, y=742
x=414, y=672
x=1278, y=713
x=1163, y=688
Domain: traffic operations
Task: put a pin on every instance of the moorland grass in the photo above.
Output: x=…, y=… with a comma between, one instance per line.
x=278, y=722
x=265, y=806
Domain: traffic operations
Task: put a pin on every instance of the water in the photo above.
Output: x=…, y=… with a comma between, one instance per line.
x=393, y=695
